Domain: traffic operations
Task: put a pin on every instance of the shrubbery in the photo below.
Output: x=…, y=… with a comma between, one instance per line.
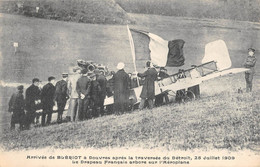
x=109, y=11
x=82, y=11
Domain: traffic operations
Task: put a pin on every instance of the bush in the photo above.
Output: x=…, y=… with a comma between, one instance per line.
x=83, y=11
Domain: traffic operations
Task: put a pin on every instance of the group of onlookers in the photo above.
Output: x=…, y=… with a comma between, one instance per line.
x=87, y=91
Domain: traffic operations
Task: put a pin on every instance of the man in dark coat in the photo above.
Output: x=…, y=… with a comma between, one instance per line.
x=47, y=97
x=101, y=79
x=16, y=107
x=95, y=90
x=148, y=91
x=32, y=101
x=61, y=95
x=83, y=89
x=250, y=64
x=121, y=90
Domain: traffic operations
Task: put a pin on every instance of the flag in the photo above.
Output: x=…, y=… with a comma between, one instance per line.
x=131, y=43
x=149, y=46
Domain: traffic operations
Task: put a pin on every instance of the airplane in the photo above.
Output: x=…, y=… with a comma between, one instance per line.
x=215, y=63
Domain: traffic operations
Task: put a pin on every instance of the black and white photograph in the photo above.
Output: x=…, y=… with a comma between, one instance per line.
x=130, y=83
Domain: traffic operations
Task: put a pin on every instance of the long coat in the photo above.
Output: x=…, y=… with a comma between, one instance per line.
x=148, y=90
x=103, y=85
x=72, y=84
x=47, y=96
x=32, y=94
x=95, y=90
x=83, y=86
x=121, y=87
x=61, y=92
x=16, y=105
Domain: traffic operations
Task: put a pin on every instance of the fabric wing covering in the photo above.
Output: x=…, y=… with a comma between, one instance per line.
x=217, y=51
x=161, y=52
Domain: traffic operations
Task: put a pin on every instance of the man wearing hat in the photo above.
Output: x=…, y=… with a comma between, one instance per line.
x=72, y=83
x=47, y=97
x=250, y=64
x=148, y=90
x=83, y=89
x=16, y=107
x=121, y=90
x=101, y=79
x=61, y=95
x=32, y=101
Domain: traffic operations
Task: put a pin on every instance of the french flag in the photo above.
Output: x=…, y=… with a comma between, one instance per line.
x=149, y=46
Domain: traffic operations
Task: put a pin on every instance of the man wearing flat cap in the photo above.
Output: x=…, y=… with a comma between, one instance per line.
x=16, y=107
x=61, y=95
x=121, y=90
x=250, y=64
x=32, y=101
x=47, y=97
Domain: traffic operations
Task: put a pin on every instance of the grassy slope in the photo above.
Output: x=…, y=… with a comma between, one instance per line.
x=221, y=119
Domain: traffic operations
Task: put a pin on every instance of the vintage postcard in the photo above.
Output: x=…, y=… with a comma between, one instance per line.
x=129, y=83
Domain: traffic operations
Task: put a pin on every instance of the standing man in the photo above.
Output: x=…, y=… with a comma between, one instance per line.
x=47, y=96
x=72, y=83
x=250, y=64
x=94, y=96
x=83, y=89
x=16, y=107
x=61, y=95
x=103, y=90
x=32, y=100
x=121, y=89
x=148, y=91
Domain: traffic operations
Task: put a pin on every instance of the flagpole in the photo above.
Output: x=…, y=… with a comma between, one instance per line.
x=131, y=41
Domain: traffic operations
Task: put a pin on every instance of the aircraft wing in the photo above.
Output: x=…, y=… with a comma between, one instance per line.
x=224, y=72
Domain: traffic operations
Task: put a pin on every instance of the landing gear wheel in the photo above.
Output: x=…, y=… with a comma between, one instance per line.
x=189, y=96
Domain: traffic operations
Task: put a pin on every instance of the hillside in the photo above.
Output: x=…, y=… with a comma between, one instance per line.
x=87, y=11
x=247, y=10
x=48, y=47
x=221, y=119
x=116, y=11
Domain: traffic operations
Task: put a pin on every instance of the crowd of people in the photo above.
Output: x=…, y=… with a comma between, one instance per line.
x=86, y=91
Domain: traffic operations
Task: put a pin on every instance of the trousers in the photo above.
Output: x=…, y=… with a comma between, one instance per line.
x=73, y=109
x=47, y=111
x=142, y=103
x=61, y=107
x=249, y=81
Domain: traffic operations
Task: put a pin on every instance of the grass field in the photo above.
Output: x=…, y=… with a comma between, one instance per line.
x=221, y=119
